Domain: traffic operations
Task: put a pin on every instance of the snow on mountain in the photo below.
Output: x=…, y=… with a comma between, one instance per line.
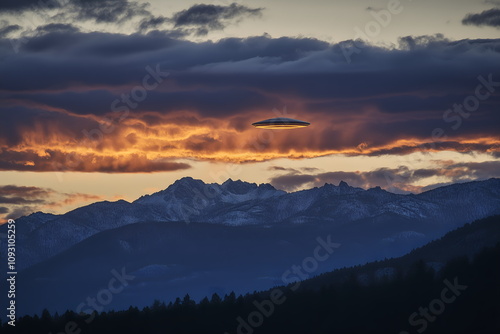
x=188, y=200
x=29, y=223
x=239, y=203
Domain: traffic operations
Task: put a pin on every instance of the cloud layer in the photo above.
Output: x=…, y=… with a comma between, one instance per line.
x=490, y=17
x=16, y=201
x=103, y=102
x=398, y=180
x=199, y=19
x=98, y=11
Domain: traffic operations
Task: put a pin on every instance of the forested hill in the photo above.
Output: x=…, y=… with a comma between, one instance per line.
x=462, y=297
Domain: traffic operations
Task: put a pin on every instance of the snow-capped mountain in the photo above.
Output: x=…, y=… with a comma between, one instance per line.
x=188, y=200
x=201, y=238
x=238, y=203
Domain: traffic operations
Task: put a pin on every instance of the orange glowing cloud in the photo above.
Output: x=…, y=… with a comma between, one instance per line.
x=138, y=112
x=134, y=146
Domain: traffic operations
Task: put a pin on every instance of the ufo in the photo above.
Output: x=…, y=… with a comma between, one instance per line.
x=280, y=123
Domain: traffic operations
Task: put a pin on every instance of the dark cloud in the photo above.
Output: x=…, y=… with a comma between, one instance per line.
x=478, y=170
x=421, y=42
x=280, y=168
x=375, y=105
x=17, y=120
x=379, y=177
x=20, y=5
x=18, y=200
x=307, y=67
x=309, y=169
x=57, y=27
x=98, y=11
x=490, y=17
x=23, y=200
x=153, y=22
x=4, y=31
x=292, y=181
x=293, y=170
x=212, y=17
x=24, y=191
x=109, y=11
x=411, y=103
x=214, y=103
x=199, y=19
x=56, y=160
x=397, y=180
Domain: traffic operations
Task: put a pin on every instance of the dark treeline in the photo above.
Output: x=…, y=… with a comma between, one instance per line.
x=462, y=298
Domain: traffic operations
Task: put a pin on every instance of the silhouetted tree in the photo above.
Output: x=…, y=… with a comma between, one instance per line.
x=215, y=299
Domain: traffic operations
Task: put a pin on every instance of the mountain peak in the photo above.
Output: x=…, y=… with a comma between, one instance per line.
x=343, y=184
x=342, y=189
x=238, y=186
x=230, y=180
x=187, y=180
x=266, y=186
x=183, y=187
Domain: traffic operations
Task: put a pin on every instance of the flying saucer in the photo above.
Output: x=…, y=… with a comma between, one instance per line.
x=280, y=123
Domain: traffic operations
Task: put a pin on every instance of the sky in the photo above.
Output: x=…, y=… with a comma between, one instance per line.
x=108, y=100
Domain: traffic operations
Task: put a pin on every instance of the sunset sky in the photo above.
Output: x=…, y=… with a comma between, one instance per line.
x=107, y=100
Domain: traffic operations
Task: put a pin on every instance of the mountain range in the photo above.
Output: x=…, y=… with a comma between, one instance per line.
x=200, y=238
